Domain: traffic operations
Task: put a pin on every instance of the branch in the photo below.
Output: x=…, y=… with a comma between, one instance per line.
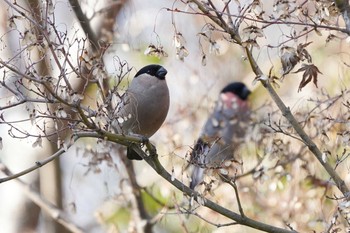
x=283, y=108
x=136, y=189
x=153, y=161
x=218, y=225
x=84, y=22
x=221, y=22
x=234, y=186
x=267, y=23
x=41, y=163
x=117, y=138
x=306, y=139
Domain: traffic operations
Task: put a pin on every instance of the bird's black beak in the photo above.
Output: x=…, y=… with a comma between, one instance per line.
x=161, y=72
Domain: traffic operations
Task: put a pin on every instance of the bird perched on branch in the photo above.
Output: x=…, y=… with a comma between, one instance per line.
x=144, y=106
x=222, y=131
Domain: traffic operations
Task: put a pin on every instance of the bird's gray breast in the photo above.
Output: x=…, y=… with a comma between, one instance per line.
x=147, y=105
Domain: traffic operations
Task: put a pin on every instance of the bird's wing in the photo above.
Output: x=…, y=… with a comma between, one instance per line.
x=218, y=140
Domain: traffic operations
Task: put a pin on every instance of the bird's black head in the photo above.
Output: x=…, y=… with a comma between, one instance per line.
x=154, y=70
x=237, y=88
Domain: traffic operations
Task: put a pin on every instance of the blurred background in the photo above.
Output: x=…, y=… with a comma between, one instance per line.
x=95, y=198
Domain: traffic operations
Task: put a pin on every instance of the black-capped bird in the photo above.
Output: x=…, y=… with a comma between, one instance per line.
x=224, y=129
x=144, y=106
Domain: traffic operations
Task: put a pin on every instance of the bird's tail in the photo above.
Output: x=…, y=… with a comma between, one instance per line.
x=197, y=176
x=132, y=155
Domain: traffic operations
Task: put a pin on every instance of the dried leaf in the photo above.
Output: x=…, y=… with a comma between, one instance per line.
x=156, y=51
x=331, y=37
x=252, y=43
x=318, y=32
x=204, y=60
x=181, y=53
x=256, y=8
x=325, y=155
x=252, y=32
x=38, y=142
x=259, y=78
x=214, y=48
x=223, y=171
x=289, y=59
x=273, y=79
x=61, y=113
x=303, y=53
x=310, y=73
x=177, y=40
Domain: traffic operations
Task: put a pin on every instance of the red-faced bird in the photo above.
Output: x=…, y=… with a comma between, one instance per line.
x=223, y=131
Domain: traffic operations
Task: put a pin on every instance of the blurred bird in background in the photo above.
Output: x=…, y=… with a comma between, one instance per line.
x=144, y=106
x=222, y=133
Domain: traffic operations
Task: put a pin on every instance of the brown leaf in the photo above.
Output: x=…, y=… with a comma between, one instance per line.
x=310, y=73
x=252, y=32
x=289, y=59
x=156, y=51
x=250, y=42
x=331, y=37
x=303, y=53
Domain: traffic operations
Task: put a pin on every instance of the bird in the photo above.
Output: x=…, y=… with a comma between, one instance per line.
x=144, y=105
x=222, y=132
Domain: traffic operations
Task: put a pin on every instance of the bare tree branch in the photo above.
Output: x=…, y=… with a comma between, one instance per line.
x=85, y=23
x=283, y=108
x=153, y=161
x=39, y=164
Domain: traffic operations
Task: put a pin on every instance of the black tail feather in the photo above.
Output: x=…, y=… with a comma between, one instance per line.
x=132, y=155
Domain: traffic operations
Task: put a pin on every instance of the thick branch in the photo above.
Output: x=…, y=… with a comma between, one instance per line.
x=84, y=22
x=156, y=165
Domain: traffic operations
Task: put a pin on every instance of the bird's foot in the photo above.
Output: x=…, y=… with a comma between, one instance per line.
x=151, y=150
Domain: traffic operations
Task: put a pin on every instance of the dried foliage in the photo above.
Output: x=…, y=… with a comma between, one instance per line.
x=290, y=169
x=310, y=74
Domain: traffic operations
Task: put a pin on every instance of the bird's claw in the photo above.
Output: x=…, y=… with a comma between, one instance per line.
x=151, y=149
x=144, y=139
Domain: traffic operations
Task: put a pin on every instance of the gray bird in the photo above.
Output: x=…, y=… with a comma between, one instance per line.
x=222, y=132
x=144, y=106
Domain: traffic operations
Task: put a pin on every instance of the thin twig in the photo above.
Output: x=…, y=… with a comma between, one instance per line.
x=41, y=163
x=278, y=101
x=156, y=165
x=232, y=183
x=218, y=225
x=55, y=213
